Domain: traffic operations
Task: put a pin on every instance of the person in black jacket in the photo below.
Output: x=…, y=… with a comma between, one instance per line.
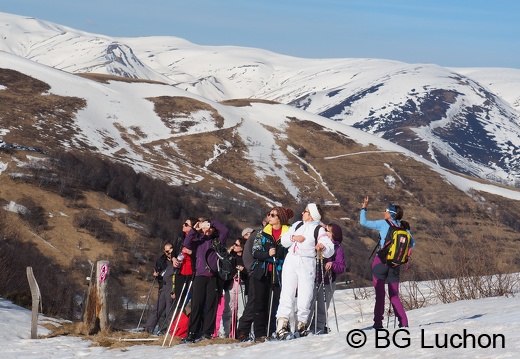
x=234, y=292
x=163, y=271
x=244, y=331
x=269, y=256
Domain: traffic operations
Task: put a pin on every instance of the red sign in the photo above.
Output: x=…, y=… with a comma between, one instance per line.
x=103, y=272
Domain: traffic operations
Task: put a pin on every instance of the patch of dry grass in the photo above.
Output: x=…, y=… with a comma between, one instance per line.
x=123, y=339
x=105, y=78
x=243, y=102
x=175, y=112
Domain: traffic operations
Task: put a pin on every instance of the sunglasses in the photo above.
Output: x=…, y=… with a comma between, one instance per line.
x=169, y=252
x=186, y=225
x=272, y=215
x=238, y=245
x=306, y=211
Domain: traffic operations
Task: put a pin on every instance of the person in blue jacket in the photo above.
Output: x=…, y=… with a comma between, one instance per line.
x=381, y=272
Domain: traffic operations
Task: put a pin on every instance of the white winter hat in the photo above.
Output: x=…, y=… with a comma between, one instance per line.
x=313, y=211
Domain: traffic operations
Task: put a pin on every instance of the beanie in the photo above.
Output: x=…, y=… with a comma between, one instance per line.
x=313, y=211
x=284, y=214
x=392, y=210
x=246, y=231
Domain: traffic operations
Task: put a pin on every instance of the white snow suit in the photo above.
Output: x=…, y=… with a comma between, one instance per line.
x=299, y=269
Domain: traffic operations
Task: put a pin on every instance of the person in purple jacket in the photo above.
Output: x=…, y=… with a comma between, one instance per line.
x=381, y=272
x=207, y=285
x=323, y=293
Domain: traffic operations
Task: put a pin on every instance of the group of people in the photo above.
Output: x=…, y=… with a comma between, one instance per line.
x=285, y=276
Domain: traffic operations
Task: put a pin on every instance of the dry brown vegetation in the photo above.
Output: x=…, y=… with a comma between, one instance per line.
x=171, y=109
x=104, y=78
x=29, y=112
x=242, y=102
x=123, y=339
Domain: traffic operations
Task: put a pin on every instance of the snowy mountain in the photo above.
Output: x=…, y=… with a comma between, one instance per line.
x=465, y=120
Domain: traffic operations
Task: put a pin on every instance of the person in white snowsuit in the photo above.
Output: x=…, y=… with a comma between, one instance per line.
x=299, y=269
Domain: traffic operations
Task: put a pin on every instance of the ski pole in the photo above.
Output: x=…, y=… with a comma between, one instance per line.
x=239, y=288
x=234, y=309
x=333, y=303
x=324, y=294
x=241, y=291
x=271, y=299
x=174, y=312
x=185, y=301
x=389, y=312
x=316, y=310
x=314, y=306
x=146, y=304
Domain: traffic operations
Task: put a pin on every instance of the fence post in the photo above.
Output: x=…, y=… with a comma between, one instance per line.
x=35, y=295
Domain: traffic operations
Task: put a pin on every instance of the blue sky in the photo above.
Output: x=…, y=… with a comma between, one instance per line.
x=453, y=33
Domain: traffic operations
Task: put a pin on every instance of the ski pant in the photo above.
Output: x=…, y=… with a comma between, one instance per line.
x=204, y=301
x=299, y=274
x=180, y=281
x=381, y=274
x=246, y=320
x=232, y=299
x=219, y=328
x=322, y=302
x=164, y=302
x=265, y=292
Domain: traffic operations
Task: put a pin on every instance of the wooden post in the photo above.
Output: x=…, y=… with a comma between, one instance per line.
x=102, y=307
x=35, y=294
x=96, y=311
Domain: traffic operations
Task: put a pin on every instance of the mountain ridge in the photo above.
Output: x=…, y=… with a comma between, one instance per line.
x=455, y=121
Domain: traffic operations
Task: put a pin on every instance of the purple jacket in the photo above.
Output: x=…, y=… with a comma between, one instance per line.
x=338, y=264
x=200, y=244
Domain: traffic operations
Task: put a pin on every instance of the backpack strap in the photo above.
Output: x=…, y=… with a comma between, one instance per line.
x=316, y=233
x=316, y=230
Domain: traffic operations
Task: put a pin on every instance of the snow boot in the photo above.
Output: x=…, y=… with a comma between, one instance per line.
x=301, y=328
x=282, y=328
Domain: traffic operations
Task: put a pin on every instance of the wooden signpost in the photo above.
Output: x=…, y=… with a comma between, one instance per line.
x=96, y=313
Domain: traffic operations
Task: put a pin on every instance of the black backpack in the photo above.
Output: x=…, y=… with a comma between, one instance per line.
x=397, y=247
x=226, y=268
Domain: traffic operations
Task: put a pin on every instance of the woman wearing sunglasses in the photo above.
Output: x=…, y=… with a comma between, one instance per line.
x=269, y=257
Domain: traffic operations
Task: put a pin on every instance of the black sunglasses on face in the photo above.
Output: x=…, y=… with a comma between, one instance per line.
x=272, y=215
x=186, y=225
